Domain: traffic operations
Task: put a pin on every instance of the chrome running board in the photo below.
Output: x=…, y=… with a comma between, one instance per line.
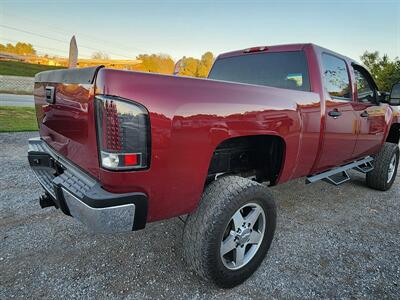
x=339, y=175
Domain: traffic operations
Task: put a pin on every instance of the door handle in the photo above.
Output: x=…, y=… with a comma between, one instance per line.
x=334, y=113
x=364, y=114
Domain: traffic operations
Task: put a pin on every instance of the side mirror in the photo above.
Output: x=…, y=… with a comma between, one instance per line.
x=383, y=97
x=394, y=98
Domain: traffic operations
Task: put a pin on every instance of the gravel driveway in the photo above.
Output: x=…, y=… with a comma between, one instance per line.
x=331, y=242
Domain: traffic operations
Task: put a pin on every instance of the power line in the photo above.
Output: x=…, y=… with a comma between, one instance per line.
x=58, y=40
x=33, y=33
x=43, y=36
x=61, y=29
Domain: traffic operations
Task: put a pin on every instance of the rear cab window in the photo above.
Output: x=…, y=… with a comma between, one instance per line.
x=286, y=70
x=336, y=77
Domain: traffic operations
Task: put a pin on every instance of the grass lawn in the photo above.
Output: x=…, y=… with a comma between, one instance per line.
x=14, y=118
x=17, y=68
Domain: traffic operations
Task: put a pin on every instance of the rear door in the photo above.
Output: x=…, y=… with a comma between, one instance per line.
x=371, y=114
x=340, y=133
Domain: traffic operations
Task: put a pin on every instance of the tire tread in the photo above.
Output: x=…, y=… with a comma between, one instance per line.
x=377, y=178
x=225, y=192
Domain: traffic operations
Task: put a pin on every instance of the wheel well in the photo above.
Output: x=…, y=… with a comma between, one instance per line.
x=259, y=157
x=394, y=134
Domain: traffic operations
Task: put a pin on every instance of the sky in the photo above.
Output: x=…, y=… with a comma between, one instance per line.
x=124, y=29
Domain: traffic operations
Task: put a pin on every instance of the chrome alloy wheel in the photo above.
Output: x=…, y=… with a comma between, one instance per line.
x=243, y=236
x=392, y=168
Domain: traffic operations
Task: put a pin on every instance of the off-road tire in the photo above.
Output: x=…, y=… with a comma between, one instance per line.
x=205, y=227
x=378, y=177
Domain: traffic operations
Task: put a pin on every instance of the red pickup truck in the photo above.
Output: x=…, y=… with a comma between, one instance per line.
x=118, y=149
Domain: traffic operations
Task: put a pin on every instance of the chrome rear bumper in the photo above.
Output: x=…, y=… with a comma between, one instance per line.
x=103, y=220
x=79, y=195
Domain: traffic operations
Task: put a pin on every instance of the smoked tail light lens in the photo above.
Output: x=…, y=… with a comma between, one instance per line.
x=123, y=130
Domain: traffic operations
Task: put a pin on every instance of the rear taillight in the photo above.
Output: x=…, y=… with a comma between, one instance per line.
x=123, y=133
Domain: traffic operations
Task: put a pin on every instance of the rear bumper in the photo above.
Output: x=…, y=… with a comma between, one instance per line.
x=79, y=195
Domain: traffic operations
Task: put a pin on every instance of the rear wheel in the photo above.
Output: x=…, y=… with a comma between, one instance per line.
x=385, y=168
x=228, y=236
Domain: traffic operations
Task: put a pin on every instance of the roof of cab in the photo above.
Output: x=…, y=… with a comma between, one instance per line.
x=274, y=48
x=285, y=47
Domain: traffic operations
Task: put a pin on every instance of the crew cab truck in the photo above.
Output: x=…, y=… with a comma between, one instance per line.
x=118, y=149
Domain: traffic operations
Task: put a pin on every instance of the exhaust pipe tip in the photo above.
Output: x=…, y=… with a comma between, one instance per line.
x=46, y=201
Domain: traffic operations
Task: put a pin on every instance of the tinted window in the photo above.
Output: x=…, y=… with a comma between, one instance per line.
x=364, y=90
x=286, y=70
x=336, y=77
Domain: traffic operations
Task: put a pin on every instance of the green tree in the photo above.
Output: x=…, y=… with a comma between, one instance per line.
x=385, y=71
x=18, y=48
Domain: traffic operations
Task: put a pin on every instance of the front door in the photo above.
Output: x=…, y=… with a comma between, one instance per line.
x=372, y=116
x=340, y=132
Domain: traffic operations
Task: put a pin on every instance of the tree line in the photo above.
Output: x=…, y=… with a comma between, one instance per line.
x=385, y=71
x=19, y=48
x=164, y=64
x=156, y=63
x=188, y=66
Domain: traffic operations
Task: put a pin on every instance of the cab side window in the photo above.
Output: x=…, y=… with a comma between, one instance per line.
x=336, y=77
x=364, y=88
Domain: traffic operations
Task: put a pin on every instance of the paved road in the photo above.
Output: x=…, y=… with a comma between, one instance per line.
x=16, y=100
x=331, y=242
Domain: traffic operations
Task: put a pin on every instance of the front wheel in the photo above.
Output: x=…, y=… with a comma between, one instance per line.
x=385, y=168
x=228, y=236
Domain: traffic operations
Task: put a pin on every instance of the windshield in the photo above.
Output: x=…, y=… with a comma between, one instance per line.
x=286, y=70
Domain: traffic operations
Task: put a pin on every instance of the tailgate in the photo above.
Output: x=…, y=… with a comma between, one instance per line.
x=64, y=102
